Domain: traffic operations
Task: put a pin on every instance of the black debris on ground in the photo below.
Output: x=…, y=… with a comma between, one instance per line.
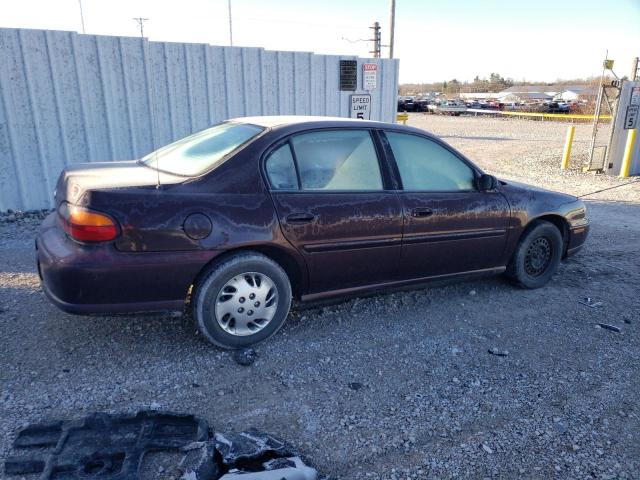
x=499, y=353
x=245, y=356
x=103, y=445
x=152, y=444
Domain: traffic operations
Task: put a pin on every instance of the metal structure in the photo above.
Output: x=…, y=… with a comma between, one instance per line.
x=602, y=131
x=624, y=147
x=67, y=98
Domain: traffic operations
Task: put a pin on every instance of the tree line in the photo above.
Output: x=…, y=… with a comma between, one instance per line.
x=494, y=83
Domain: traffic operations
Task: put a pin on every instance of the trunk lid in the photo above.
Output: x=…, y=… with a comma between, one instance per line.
x=74, y=181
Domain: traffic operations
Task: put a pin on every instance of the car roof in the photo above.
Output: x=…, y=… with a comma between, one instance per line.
x=286, y=120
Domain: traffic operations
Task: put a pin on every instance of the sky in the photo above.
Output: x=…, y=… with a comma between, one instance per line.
x=436, y=40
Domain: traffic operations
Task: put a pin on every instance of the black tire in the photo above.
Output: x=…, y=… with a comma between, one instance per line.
x=209, y=290
x=537, y=256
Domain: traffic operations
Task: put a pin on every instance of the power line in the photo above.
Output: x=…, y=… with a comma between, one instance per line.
x=296, y=22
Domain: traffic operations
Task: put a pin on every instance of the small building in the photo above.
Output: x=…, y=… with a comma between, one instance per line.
x=524, y=97
x=527, y=93
x=479, y=95
x=574, y=93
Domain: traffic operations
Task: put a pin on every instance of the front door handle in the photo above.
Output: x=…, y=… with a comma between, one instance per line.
x=299, y=218
x=421, y=212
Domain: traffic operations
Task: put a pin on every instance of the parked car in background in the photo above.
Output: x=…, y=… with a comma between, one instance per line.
x=235, y=221
x=406, y=104
x=449, y=107
x=556, y=107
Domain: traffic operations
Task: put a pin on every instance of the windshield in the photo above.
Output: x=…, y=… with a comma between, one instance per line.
x=201, y=151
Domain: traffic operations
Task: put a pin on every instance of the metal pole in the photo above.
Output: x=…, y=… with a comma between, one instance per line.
x=230, y=25
x=141, y=21
x=376, y=40
x=628, y=153
x=568, y=143
x=596, y=113
x=81, y=15
x=392, y=27
x=634, y=70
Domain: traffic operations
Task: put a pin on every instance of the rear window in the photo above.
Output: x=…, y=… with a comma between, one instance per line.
x=202, y=151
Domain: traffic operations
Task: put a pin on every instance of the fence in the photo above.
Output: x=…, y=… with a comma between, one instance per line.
x=67, y=98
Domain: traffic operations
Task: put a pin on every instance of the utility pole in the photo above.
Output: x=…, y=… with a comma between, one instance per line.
x=81, y=15
x=635, y=72
x=392, y=27
x=376, y=40
x=230, y=25
x=141, y=21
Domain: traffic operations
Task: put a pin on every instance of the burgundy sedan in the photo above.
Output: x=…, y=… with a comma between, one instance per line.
x=234, y=221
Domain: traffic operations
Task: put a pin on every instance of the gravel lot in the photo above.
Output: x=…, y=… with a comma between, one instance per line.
x=395, y=386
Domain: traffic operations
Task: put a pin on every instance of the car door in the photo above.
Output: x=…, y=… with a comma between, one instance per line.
x=449, y=226
x=334, y=206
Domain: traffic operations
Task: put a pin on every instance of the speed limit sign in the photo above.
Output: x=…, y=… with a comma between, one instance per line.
x=361, y=106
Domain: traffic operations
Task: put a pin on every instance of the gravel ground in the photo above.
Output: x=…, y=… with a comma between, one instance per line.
x=396, y=386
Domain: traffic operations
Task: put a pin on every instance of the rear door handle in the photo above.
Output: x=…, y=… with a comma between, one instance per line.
x=421, y=212
x=299, y=218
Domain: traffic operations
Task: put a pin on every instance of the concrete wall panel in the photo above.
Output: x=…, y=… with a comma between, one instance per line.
x=67, y=98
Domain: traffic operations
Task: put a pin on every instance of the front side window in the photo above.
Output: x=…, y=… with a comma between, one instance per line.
x=337, y=160
x=425, y=165
x=202, y=151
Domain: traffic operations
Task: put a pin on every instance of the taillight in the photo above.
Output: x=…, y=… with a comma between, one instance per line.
x=87, y=225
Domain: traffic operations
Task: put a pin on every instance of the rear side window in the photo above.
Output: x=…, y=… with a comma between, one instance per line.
x=202, y=151
x=337, y=160
x=425, y=165
x=281, y=170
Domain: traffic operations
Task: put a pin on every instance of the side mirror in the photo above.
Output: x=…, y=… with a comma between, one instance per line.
x=486, y=182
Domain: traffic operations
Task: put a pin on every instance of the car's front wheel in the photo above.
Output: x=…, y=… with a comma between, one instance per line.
x=537, y=256
x=242, y=300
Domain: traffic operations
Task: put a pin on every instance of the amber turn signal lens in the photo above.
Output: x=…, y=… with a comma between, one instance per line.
x=87, y=225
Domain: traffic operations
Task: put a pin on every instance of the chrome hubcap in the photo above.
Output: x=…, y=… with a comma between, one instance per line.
x=538, y=257
x=246, y=304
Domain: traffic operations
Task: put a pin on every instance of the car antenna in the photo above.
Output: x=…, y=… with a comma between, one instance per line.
x=153, y=108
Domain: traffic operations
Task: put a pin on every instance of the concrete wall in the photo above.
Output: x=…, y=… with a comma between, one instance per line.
x=67, y=98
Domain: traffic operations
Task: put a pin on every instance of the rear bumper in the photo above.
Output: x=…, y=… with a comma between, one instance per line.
x=577, y=237
x=98, y=279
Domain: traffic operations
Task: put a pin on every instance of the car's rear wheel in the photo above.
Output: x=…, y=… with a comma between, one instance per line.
x=242, y=300
x=537, y=256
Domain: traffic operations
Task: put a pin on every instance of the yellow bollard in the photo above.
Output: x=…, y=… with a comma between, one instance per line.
x=571, y=130
x=628, y=150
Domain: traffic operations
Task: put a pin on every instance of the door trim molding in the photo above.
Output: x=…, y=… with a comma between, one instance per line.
x=351, y=245
x=450, y=236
